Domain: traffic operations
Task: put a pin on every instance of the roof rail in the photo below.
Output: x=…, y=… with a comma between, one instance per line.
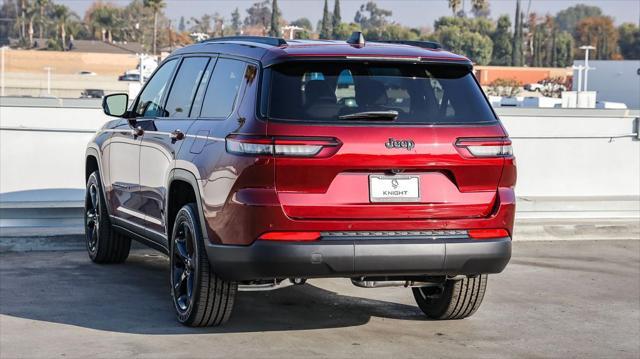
x=273, y=41
x=424, y=44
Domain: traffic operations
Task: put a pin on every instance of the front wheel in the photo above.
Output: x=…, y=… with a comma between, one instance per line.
x=457, y=299
x=104, y=244
x=201, y=298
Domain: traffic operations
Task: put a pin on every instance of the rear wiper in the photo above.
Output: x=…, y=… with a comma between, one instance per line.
x=371, y=115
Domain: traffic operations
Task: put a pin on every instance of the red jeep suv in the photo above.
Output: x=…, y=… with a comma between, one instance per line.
x=252, y=160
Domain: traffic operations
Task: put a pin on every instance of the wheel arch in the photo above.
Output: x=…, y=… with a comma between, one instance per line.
x=183, y=188
x=92, y=164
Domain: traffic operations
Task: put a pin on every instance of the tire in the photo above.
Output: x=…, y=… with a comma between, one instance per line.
x=458, y=299
x=104, y=244
x=201, y=298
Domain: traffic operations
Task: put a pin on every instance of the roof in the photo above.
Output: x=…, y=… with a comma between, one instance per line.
x=273, y=51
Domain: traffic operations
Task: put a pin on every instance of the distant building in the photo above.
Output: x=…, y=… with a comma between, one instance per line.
x=613, y=80
x=95, y=46
x=526, y=75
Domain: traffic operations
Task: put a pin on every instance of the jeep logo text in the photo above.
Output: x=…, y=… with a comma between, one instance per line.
x=393, y=143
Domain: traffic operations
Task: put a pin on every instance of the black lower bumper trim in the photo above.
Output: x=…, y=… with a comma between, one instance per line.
x=354, y=258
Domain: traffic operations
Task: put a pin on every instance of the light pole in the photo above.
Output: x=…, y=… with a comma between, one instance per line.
x=48, y=69
x=579, y=68
x=586, y=49
x=2, y=50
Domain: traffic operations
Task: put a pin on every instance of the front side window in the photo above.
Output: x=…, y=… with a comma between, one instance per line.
x=185, y=85
x=395, y=93
x=223, y=87
x=149, y=103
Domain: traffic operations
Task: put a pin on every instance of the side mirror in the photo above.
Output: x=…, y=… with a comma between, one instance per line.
x=115, y=104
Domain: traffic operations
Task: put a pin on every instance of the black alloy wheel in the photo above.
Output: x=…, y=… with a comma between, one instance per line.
x=200, y=297
x=104, y=244
x=183, y=267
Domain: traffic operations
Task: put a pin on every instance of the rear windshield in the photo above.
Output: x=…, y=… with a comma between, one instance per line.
x=350, y=92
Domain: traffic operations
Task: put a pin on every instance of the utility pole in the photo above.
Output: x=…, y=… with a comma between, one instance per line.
x=586, y=49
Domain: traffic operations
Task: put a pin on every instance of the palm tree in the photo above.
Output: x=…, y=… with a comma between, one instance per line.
x=63, y=16
x=454, y=5
x=156, y=6
x=42, y=6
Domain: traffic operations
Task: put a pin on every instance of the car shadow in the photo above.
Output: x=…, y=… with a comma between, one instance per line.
x=67, y=288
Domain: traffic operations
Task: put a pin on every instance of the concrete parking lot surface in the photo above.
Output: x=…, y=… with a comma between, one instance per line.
x=555, y=299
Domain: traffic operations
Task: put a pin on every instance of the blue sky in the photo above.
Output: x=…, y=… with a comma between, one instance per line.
x=414, y=13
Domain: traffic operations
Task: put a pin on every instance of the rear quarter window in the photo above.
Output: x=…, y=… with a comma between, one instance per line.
x=222, y=89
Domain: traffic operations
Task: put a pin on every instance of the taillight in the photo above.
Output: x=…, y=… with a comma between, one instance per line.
x=290, y=236
x=486, y=147
x=282, y=146
x=487, y=233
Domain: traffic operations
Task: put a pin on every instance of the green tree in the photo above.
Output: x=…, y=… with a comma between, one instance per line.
x=202, y=24
x=629, y=41
x=274, y=29
x=455, y=6
x=568, y=19
x=476, y=46
x=43, y=6
x=516, y=48
x=563, y=49
x=9, y=11
x=103, y=19
x=63, y=16
x=502, y=42
x=370, y=16
x=156, y=6
x=259, y=14
x=598, y=31
x=236, y=22
x=325, y=26
x=480, y=8
x=480, y=25
x=182, y=27
x=336, y=20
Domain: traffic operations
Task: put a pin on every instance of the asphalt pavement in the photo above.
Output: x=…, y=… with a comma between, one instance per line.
x=556, y=299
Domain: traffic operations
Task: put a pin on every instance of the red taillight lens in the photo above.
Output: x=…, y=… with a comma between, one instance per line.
x=282, y=146
x=487, y=146
x=487, y=233
x=290, y=236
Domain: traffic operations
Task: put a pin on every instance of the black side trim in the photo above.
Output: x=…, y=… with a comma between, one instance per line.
x=146, y=241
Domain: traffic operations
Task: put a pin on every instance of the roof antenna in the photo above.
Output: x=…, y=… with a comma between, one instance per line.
x=356, y=39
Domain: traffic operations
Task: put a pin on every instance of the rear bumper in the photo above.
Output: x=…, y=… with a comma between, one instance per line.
x=359, y=257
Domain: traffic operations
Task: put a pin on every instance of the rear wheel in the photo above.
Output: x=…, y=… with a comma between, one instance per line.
x=457, y=299
x=200, y=297
x=104, y=244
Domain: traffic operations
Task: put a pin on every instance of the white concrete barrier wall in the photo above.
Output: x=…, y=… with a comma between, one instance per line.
x=561, y=153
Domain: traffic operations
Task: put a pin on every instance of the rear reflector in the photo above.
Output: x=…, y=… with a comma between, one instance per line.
x=290, y=236
x=282, y=146
x=487, y=147
x=487, y=233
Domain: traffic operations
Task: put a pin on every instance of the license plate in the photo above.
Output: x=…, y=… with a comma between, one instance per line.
x=394, y=188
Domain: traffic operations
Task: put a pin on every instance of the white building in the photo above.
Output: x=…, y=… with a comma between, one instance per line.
x=613, y=80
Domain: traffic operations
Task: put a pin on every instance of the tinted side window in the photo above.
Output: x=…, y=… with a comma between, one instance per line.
x=223, y=88
x=149, y=101
x=184, y=86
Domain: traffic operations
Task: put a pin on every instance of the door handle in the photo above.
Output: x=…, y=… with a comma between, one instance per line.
x=177, y=135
